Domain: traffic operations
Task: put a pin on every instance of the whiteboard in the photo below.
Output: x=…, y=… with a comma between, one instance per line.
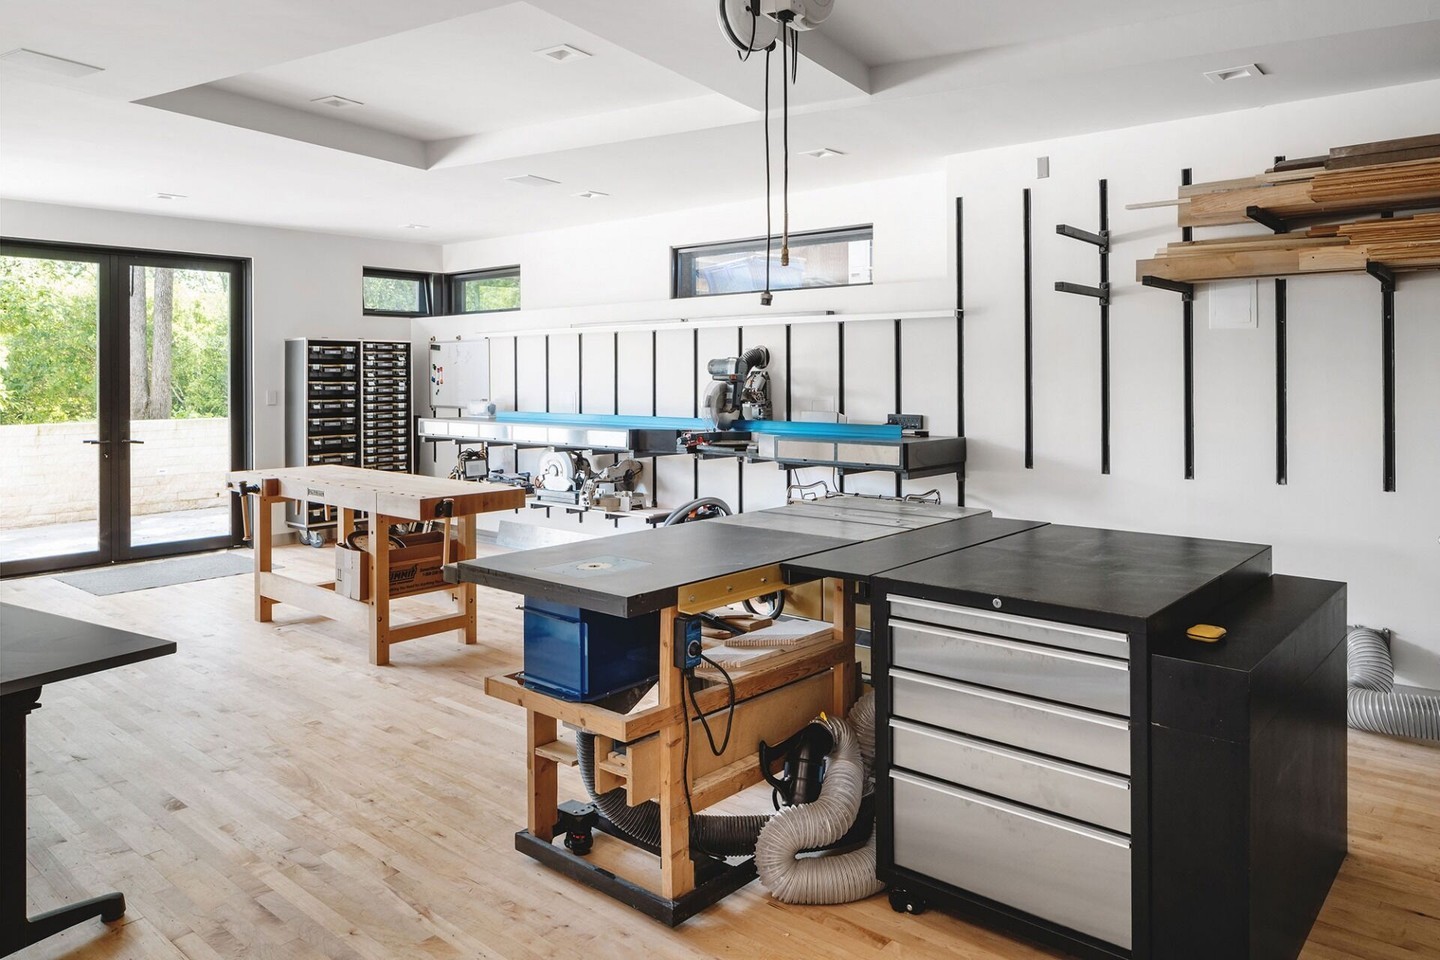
x=459, y=372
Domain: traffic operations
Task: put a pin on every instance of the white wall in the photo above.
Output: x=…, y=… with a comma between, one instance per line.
x=619, y=273
x=1332, y=519
x=303, y=284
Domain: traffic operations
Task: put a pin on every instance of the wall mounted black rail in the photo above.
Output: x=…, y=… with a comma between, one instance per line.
x=1101, y=293
x=1386, y=276
x=1029, y=338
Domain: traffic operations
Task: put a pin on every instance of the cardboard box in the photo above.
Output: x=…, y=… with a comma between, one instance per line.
x=415, y=568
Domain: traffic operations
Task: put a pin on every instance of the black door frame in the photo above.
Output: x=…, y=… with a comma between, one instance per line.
x=113, y=415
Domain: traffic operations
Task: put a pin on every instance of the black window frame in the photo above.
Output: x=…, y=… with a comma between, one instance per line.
x=427, y=291
x=454, y=283
x=859, y=231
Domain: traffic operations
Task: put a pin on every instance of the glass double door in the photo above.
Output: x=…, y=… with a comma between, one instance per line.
x=122, y=402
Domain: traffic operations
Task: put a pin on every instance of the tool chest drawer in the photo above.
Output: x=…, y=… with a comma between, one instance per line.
x=1062, y=871
x=1069, y=636
x=1067, y=676
x=1029, y=778
x=1056, y=730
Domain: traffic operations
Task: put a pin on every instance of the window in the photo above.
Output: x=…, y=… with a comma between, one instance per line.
x=820, y=258
x=484, y=291
x=396, y=293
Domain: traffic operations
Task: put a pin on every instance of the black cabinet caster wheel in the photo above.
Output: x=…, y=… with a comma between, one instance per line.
x=903, y=901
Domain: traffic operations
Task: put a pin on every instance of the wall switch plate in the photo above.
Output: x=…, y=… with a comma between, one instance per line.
x=1042, y=168
x=272, y=397
x=1234, y=305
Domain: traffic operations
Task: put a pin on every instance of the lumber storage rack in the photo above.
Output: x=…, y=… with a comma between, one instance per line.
x=1383, y=274
x=1101, y=241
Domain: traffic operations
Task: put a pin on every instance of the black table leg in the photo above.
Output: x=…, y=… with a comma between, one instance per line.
x=16, y=929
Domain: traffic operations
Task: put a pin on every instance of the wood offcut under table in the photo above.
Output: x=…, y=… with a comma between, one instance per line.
x=267, y=794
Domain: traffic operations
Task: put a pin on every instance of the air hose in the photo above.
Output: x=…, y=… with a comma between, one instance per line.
x=827, y=878
x=1375, y=705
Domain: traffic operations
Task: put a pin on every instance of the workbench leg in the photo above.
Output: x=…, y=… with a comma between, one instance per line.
x=379, y=590
x=677, y=871
x=842, y=605
x=347, y=524
x=264, y=511
x=541, y=775
x=465, y=596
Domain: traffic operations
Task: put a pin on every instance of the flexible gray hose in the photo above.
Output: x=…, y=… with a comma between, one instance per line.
x=679, y=513
x=827, y=878
x=732, y=836
x=1374, y=703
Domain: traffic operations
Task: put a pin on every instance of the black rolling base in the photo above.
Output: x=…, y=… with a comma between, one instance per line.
x=18, y=931
x=715, y=880
x=31, y=930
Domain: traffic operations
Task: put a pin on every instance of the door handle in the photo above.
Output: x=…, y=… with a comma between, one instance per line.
x=132, y=441
x=101, y=443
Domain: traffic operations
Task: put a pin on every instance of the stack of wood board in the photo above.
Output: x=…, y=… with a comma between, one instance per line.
x=1308, y=194
x=1368, y=154
x=1385, y=176
x=1400, y=243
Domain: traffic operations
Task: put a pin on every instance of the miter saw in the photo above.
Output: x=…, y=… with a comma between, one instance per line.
x=739, y=388
x=567, y=477
x=559, y=475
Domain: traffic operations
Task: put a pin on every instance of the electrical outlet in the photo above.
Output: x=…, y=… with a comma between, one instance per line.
x=1042, y=168
x=272, y=397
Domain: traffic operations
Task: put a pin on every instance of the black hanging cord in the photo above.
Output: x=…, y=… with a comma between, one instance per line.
x=729, y=717
x=785, y=37
x=767, y=296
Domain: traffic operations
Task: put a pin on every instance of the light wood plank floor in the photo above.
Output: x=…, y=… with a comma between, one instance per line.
x=266, y=793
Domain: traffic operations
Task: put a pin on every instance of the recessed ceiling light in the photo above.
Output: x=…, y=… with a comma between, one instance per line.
x=1243, y=72
x=530, y=180
x=162, y=195
x=591, y=195
x=415, y=226
x=35, y=60
x=562, y=53
x=338, y=102
x=824, y=153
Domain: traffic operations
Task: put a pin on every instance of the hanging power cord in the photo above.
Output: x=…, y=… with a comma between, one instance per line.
x=730, y=713
x=785, y=33
x=767, y=298
x=696, y=837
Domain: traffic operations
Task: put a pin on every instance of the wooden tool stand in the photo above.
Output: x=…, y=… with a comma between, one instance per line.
x=772, y=701
x=386, y=499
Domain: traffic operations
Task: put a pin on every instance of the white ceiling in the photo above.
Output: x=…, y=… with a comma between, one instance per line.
x=212, y=100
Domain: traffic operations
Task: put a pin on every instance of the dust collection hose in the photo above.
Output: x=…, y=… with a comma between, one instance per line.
x=716, y=835
x=1374, y=704
x=682, y=513
x=827, y=878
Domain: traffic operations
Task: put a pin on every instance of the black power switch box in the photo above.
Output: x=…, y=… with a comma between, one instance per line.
x=687, y=643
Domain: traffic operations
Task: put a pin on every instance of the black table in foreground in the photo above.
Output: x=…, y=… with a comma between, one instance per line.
x=37, y=648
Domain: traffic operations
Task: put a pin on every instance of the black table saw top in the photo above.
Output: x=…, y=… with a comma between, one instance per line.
x=862, y=561
x=637, y=573
x=1106, y=578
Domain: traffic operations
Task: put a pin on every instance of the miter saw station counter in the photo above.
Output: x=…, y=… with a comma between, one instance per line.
x=896, y=447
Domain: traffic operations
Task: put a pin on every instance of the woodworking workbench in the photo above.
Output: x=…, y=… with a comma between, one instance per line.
x=677, y=571
x=387, y=499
